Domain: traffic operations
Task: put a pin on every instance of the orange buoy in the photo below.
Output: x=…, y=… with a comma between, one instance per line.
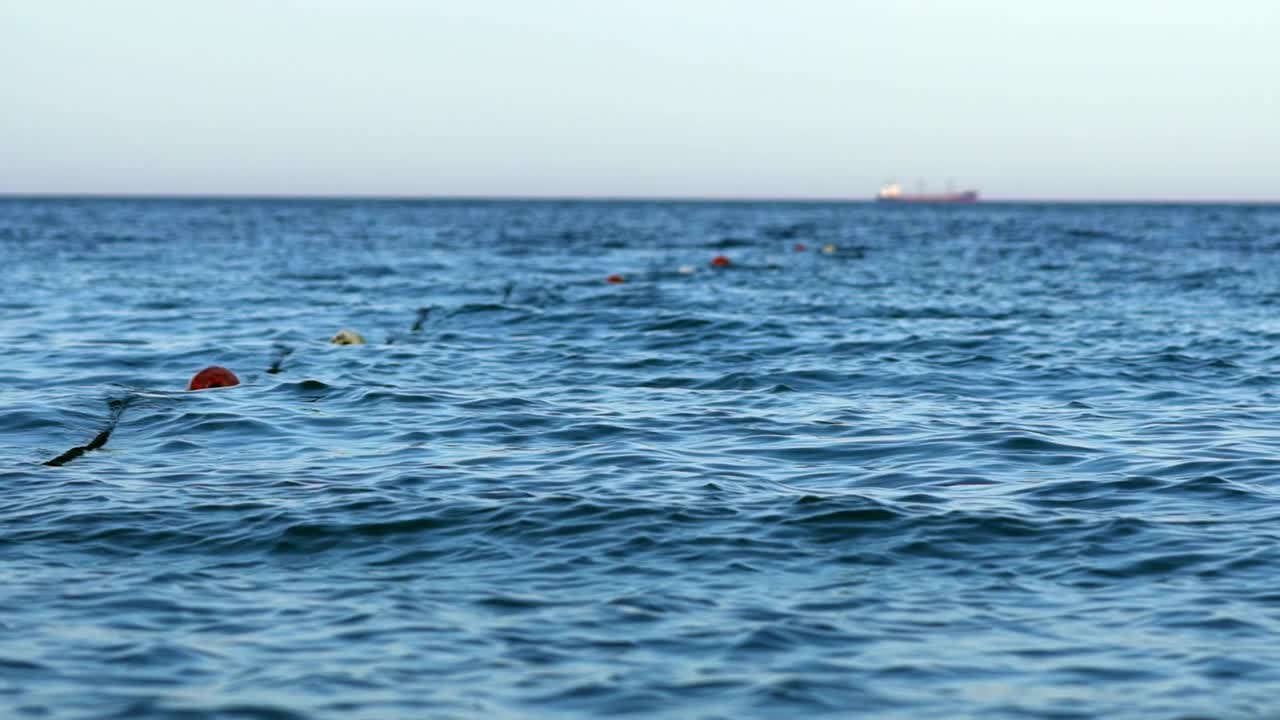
x=801, y=247
x=213, y=376
x=615, y=278
x=720, y=261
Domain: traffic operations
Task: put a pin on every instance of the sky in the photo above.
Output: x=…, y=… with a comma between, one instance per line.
x=1020, y=99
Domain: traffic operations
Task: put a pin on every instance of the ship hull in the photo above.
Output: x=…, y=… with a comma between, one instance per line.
x=942, y=199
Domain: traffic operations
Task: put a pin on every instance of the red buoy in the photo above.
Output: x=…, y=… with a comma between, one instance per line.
x=720, y=261
x=801, y=247
x=213, y=376
x=615, y=278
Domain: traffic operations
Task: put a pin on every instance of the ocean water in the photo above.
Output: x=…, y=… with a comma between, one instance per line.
x=1000, y=461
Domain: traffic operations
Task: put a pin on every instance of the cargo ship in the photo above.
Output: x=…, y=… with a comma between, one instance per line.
x=892, y=193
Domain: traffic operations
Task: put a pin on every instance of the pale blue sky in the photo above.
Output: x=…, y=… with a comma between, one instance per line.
x=809, y=98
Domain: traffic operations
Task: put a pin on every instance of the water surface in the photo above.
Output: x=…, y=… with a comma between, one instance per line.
x=988, y=462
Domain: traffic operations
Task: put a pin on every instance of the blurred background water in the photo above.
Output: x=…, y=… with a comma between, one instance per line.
x=998, y=461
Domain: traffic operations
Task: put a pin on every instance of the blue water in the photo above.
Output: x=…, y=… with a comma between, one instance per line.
x=984, y=462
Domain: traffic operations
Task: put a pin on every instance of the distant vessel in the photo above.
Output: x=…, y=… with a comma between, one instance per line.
x=892, y=193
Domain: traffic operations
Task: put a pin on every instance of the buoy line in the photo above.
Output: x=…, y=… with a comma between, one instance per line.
x=216, y=376
x=116, y=407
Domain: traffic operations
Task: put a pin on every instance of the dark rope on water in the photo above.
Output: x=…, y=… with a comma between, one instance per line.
x=423, y=312
x=282, y=352
x=418, y=323
x=116, y=406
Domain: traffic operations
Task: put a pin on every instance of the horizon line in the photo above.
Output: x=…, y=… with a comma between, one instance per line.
x=498, y=197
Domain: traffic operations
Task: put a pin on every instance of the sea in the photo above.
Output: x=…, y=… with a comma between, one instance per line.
x=990, y=461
